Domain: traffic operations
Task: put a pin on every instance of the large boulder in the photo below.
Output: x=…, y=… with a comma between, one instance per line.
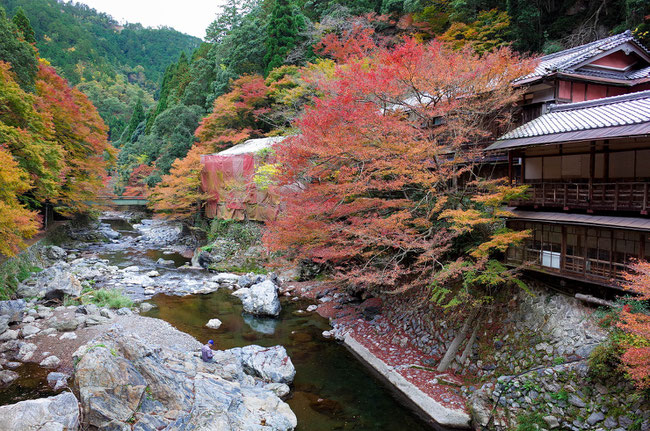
x=54, y=252
x=271, y=364
x=13, y=310
x=261, y=299
x=60, y=413
x=53, y=283
x=125, y=382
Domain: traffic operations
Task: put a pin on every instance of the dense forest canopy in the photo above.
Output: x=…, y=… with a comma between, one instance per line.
x=115, y=65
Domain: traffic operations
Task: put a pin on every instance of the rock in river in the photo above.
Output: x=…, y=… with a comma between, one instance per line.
x=55, y=413
x=122, y=379
x=260, y=299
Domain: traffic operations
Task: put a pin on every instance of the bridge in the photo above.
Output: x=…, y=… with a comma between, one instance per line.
x=126, y=200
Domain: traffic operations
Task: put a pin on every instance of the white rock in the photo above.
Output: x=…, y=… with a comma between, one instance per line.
x=68, y=336
x=50, y=362
x=30, y=330
x=29, y=319
x=153, y=274
x=213, y=323
x=312, y=308
x=260, y=299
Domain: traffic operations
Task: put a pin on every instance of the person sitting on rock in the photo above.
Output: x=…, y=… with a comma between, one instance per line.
x=206, y=352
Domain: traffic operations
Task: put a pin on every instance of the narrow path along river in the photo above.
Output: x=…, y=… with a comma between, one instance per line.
x=331, y=391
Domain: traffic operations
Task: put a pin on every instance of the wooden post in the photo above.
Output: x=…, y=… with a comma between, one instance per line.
x=523, y=169
x=563, y=250
x=510, y=167
x=592, y=170
x=606, y=161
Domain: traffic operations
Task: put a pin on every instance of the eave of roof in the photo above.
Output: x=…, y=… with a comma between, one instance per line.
x=632, y=223
x=622, y=116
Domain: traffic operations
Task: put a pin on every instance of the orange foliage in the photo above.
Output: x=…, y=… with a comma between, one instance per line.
x=16, y=221
x=83, y=137
x=178, y=195
x=236, y=115
x=636, y=358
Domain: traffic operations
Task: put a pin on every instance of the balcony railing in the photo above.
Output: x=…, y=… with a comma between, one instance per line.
x=623, y=196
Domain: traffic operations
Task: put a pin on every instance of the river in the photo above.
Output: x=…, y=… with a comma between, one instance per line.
x=331, y=391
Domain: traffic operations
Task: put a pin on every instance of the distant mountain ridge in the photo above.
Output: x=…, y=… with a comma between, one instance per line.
x=114, y=64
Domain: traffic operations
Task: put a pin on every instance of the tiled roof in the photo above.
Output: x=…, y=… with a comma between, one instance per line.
x=565, y=61
x=608, y=113
x=635, y=223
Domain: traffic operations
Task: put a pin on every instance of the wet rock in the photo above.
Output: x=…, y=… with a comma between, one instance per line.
x=56, y=413
x=108, y=232
x=213, y=324
x=13, y=365
x=271, y=364
x=7, y=377
x=165, y=262
x=145, y=307
x=260, y=299
x=13, y=309
x=53, y=283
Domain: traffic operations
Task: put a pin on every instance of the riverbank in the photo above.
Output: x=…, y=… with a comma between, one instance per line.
x=143, y=260
x=531, y=366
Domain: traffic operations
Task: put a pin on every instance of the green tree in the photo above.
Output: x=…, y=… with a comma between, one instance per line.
x=283, y=32
x=136, y=118
x=22, y=23
x=17, y=52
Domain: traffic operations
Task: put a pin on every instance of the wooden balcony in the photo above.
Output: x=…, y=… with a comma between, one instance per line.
x=621, y=196
x=575, y=267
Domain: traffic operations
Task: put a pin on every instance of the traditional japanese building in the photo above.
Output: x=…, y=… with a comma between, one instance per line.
x=584, y=152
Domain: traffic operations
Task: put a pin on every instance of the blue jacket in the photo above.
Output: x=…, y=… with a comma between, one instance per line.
x=206, y=353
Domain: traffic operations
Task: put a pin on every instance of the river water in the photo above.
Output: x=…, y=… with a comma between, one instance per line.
x=332, y=389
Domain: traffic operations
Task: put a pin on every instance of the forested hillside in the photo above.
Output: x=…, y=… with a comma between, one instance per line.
x=114, y=65
x=53, y=144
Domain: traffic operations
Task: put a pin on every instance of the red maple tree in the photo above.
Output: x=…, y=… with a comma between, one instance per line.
x=636, y=358
x=389, y=155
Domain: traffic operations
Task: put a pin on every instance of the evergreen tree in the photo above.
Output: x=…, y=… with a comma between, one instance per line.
x=283, y=32
x=136, y=118
x=165, y=88
x=22, y=22
x=23, y=25
x=18, y=53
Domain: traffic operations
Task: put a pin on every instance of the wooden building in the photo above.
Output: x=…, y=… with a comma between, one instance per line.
x=585, y=155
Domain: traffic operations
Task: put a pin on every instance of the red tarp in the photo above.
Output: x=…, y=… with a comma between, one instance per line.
x=229, y=180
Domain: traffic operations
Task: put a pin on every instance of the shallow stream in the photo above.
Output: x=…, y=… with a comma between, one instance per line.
x=332, y=389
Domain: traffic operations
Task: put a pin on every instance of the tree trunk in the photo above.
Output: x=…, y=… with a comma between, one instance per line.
x=458, y=340
x=470, y=343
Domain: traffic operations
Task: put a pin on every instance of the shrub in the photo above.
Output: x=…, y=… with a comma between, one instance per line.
x=605, y=360
x=530, y=422
x=13, y=272
x=111, y=298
